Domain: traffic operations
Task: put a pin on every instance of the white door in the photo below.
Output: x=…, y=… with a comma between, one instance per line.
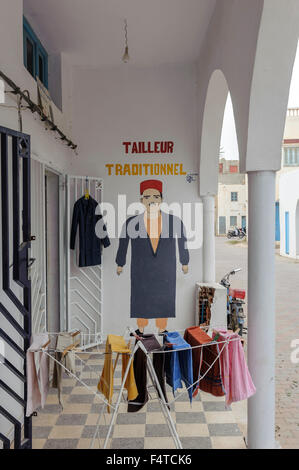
x=84, y=285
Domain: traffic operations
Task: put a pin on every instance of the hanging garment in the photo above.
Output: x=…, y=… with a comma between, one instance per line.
x=140, y=370
x=178, y=365
x=118, y=345
x=67, y=360
x=203, y=358
x=37, y=382
x=235, y=375
x=85, y=216
x=153, y=273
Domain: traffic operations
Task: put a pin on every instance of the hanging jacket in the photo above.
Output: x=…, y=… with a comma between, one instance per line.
x=178, y=365
x=84, y=216
x=203, y=358
x=116, y=344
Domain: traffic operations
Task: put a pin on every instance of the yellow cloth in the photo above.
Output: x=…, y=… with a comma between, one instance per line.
x=118, y=345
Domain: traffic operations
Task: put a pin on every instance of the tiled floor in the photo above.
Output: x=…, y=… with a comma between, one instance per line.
x=205, y=425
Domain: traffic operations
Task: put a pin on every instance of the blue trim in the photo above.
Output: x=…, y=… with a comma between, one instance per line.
x=38, y=51
x=277, y=222
x=287, y=233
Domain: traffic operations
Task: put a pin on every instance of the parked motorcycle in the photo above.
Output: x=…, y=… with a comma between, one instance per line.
x=235, y=302
x=239, y=233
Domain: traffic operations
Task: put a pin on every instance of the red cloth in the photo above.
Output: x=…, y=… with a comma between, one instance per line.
x=202, y=359
x=151, y=184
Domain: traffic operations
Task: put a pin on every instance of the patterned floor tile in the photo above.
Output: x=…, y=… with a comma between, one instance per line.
x=89, y=431
x=127, y=443
x=228, y=442
x=192, y=429
x=41, y=432
x=158, y=418
x=196, y=442
x=215, y=406
x=128, y=431
x=195, y=417
x=66, y=432
x=71, y=419
x=159, y=443
x=157, y=430
x=224, y=429
x=61, y=444
x=131, y=418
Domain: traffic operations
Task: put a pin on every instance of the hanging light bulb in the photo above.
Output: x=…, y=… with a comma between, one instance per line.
x=126, y=56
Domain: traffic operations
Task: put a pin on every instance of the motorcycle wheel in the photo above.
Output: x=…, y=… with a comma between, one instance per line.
x=229, y=236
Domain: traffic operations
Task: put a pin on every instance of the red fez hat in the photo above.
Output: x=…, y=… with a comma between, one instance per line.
x=151, y=184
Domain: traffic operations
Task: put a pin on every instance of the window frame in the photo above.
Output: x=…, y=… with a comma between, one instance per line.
x=231, y=196
x=38, y=51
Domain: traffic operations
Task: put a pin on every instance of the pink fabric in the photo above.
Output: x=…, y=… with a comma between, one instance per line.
x=235, y=375
x=37, y=383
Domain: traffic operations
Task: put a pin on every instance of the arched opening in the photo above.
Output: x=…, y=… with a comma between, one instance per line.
x=211, y=133
x=231, y=199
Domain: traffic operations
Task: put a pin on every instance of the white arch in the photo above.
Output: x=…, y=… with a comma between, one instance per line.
x=274, y=61
x=211, y=133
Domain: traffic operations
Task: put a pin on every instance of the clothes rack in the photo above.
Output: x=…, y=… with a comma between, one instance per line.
x=154, y=383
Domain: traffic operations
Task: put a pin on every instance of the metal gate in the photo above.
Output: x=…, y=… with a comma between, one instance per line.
x=84, y=285
x=15, y=287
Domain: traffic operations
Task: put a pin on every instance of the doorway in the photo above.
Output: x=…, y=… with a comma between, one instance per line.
x=52, y=250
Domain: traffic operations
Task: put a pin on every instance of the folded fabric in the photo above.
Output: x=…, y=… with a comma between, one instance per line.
x=68, y=361
x=140, y=370
x=203, y=358
x=118, y=345
x=235, y=375
x=37, y=382
x=178, y=364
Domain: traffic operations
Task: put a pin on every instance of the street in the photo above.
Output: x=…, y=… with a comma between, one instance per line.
x=231, y=255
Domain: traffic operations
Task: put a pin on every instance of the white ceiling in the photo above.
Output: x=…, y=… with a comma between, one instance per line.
x=91, y=32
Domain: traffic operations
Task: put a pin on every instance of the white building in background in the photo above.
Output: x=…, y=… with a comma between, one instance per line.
x=231, y=200
x=287, y=189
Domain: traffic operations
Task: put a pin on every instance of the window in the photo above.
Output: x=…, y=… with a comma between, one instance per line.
x=233, y=168
x=291, y=156
x=35, y=56
x=234, y=196
x=233, y=220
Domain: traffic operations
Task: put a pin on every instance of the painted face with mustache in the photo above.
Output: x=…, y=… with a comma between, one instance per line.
x=151, y=199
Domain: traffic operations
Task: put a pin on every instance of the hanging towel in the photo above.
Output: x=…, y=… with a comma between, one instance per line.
x=37, y=382
x=202, y=360
x=68, y=361
x=236, y=377
x=178, y=365
x=116, y=344
x=140, y=370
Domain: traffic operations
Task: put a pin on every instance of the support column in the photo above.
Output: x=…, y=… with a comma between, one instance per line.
x=208, y=238
x=261, y=308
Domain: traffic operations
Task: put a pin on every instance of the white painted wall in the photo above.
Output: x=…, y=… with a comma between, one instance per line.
x=130, y=103
x=289, y=197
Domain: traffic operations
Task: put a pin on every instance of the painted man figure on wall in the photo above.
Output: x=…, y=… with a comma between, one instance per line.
x=153, y=237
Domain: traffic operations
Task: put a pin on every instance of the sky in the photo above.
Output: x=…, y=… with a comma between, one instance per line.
x=229, y=138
